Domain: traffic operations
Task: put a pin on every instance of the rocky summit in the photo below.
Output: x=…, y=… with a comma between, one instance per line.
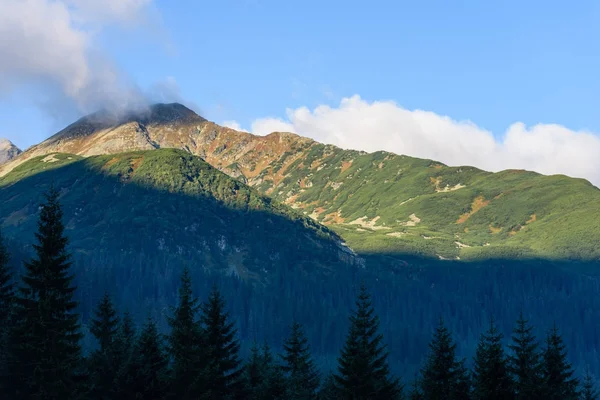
x=378, y=202
x=8, y=151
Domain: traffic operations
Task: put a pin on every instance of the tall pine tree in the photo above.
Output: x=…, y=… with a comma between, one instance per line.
x=491, y=378
x=45, y=354
x=363, y=371
x=274, y=385
x=328, y=390
x=7, y=292
x=524, y=362
x=186, y=345
x=588, y=391
x=105, y=324
x=6, y=301
x=254, y=372
x=225, y=372
x=559, y=382
x=124, y=344
x=298, y=366
x=7, y=295
x=150, y=365
x=102, y=362
x=444, y=376
x=415, y=390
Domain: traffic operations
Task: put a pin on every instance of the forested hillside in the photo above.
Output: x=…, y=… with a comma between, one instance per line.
x=200, y=357
x=136, y=220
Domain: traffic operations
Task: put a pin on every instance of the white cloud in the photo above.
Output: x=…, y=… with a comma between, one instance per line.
x=264, y=126
x=384, y=125
x=233, y=125
x=51, y=43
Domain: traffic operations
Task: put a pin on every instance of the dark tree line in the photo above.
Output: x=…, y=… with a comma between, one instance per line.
x=41, y=355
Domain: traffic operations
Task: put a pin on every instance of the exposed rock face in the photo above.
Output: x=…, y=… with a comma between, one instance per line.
x=8, y=151
x=241, y=154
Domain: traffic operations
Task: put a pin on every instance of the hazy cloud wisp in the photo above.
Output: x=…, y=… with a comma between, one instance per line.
x=50, y=43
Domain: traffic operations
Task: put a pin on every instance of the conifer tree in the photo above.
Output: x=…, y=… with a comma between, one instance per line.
x=298, y=366
x=104, y=324
x=559, y=382
x=524, y=362
x=275, y=384
x=103, y=371
x=186, y=345
x=588, y=392
x=45, y=354
x=253, y=371
x=463, y=390
x=7, y=292
x=415, y=390
x=6, y=301
x=124, y=344
x=363, y=371
x=491, y=378
x=150, y=364
x=328, y=390
x=444, y=376
x=225, y=372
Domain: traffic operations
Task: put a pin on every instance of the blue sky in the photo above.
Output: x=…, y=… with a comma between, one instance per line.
x=492, y=63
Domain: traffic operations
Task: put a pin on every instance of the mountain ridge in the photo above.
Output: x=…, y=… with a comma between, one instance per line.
x=378, y=202
x=174, y=198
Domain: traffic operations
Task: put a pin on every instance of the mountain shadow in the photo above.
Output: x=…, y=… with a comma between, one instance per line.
x=136, y=219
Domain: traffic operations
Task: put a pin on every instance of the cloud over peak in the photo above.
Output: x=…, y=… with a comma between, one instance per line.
x=384, y=125
x=52, y=43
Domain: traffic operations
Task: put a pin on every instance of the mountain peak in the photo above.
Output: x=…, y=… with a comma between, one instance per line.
x=170, y=112
x=155, y=114
x=8, y=150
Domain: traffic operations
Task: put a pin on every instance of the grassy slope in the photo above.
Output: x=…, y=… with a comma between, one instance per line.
x=165, y=200
x=517, y=213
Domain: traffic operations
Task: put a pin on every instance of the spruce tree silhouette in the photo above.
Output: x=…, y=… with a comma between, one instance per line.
x=45, y=355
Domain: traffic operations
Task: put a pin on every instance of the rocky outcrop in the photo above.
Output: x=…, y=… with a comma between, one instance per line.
x=8, y=151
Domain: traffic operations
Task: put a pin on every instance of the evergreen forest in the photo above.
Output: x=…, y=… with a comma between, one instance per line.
x=192, y=349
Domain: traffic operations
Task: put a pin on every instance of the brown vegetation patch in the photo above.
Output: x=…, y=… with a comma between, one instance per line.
x=135, y=163
x=346, y=165
x=291, y=199
x=316, y=213
x=477, y=205
x=304, y=183
x=334, y=218
x=532, y=219
x=110, y=163
x=316, y=163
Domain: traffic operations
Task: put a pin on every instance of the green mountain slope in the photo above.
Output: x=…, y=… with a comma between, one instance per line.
x=379, y=202
x=170, y=205
x=385, y=203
